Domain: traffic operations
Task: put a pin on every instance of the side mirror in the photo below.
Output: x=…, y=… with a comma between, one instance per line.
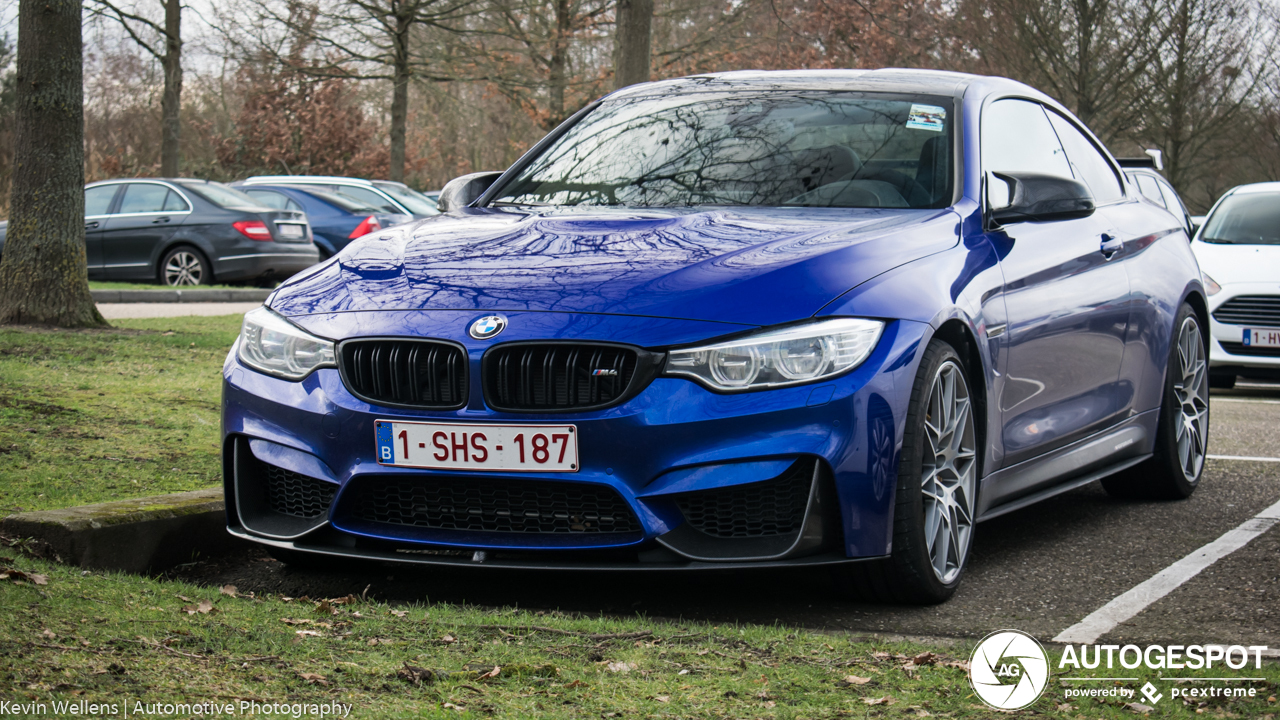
x=462, y=191
x=1030, y=197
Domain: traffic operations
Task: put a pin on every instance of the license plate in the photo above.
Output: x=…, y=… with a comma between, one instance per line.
x=455, y=446
x=290, y=231
x=1262, y=337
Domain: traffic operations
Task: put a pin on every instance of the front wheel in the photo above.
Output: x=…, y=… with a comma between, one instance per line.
x=1182, y=433
x=183, y=266
x=936, y=493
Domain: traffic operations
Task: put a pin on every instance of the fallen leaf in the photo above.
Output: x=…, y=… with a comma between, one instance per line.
x=399, y=613
x=447, y=639
x=925, y=658
x=183, y=597
x=886, y=700
x=39, y=579
x=313, y=678
x=955, y=664
x=324, y=608
x=307, y=633
x=295, y=621
x=1139, y=707
x=1065, y=707
x=451, y=706
x=48, y=635
x=663, y=698
x=921, y=712
x=621, y=667
x=228, y=590
x=855, y=680
x=575, y=684
x=770, y=703
x=204, y=608
x=491, y=674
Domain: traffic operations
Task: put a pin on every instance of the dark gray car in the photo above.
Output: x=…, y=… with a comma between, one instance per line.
x=189, y=232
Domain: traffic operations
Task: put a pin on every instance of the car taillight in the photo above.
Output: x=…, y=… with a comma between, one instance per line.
x=365, y=227
x=253, y=229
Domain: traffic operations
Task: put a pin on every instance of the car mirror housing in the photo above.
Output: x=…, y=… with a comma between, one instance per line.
x=462, y=191
x=1031, y=197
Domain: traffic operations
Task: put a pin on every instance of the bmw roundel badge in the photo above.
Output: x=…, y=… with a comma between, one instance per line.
x=487, y=326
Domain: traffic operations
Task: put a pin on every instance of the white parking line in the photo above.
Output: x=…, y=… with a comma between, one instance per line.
x=1122, y=608
x=1243, y=457
x=1213, y=400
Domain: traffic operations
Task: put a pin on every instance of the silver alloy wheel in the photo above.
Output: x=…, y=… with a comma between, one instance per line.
x=948, y=470
x=183, y=268
x=1192, y=392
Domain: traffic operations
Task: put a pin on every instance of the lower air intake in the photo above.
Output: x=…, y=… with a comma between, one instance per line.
x=760, y=509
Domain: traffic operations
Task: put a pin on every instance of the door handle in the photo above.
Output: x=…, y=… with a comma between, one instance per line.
x=160, y=220
x=1111, y=245
x=91, y=225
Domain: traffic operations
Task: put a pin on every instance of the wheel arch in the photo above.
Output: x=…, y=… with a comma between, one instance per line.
x=960, y=336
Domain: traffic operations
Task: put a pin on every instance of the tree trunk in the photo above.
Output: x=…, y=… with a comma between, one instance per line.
x=43, y=276
x=558, y=70
x=631, y=42
x=171, y=103
x=399, y=97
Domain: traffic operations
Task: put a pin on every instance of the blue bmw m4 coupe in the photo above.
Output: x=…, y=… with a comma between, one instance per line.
x=827, y=318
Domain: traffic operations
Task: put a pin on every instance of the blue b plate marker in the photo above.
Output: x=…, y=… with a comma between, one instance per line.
x=386, y=450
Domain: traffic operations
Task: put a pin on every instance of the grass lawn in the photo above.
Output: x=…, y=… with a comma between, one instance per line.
x=117, y=638
x=95, y=415
x=105, y=285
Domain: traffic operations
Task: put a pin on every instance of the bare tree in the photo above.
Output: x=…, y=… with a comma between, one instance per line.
x=43, y=273
x=163, y=41
x=631, y=42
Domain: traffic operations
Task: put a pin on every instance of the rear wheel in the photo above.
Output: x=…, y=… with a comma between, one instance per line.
x=1182, y=433
x=937, y=489
x=184, y=266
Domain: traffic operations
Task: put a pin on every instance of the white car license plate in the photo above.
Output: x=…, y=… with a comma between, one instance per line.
x=1262, y=337
x=456, y=446
x=290, y=230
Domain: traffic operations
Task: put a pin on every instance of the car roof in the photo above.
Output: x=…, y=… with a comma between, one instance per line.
x=306, y=180
x=902, y=80
x=1262, y=187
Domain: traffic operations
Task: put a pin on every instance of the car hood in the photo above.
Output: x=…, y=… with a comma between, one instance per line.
x=1229, y=263
x=756, y=266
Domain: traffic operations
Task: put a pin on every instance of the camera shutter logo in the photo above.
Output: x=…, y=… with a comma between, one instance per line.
x=487, y=326
x=1009, y=670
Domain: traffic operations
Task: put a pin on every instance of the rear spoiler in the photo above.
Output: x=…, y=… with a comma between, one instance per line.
x=1154, y=159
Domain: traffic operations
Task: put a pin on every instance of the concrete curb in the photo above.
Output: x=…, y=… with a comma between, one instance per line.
x=140, y=535
x=178, y=296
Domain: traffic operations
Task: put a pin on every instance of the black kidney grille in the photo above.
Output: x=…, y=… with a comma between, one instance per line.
x=289, y=493
x=761, y=509
x=406, y=372
x=1251, y=310
x=516, y=506
x=557, y=377
x=1242, y=349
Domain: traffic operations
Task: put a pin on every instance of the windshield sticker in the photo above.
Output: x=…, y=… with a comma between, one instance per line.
x=926, y=117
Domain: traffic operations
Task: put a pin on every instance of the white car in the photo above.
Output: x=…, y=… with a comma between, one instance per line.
x=1239, y=252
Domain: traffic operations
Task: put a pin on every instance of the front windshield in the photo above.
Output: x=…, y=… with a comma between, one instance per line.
x=815, y=149
x=223, y=196
x=417, y=203
x=1245, y=219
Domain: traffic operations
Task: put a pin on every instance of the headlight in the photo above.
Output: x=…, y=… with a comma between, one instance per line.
x=273, y=345
x=1210, y=287
x=776, y=358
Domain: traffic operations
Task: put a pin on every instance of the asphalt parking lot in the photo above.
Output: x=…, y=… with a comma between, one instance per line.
x=1040, y=570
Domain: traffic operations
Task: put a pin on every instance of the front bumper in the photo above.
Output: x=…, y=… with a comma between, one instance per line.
x=1227, y=352
x=675, y=440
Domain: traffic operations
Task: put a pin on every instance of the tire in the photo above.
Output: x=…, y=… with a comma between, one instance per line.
x=939, y=462
x=185, y=266
x=1222, y=381
x=1182, y=433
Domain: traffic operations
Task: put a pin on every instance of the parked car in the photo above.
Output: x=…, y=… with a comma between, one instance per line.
x=180, y=231
x=738, y=320
x=1144, y=173
x=384, y=195
x=335, y=219
x=1239, y=251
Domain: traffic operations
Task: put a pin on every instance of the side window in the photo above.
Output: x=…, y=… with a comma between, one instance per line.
x=368, y=197
x=97, y=199
x=173, y=202
x=1172, y=201
x=1090, y=165
x=291, y=205
x=273, y=200
x=143, y=198
x=1017, y=137
x=1150, y=189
